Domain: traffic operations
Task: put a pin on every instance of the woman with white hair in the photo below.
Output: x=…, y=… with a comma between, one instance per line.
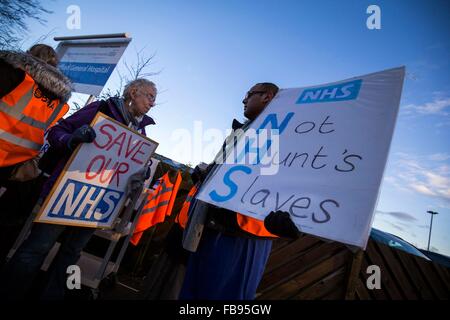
x=130, y=109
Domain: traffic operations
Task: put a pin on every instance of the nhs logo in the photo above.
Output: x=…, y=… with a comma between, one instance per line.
x=85, y=202
x=340, y=92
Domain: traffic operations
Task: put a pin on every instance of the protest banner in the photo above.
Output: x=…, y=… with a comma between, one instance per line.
x=322, y=158
x=91, y=189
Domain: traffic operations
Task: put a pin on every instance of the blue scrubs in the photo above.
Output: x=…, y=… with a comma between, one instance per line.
x=225, y=267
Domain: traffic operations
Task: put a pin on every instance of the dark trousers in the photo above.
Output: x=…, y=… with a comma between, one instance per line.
x=16, y=204
x=5, y=173
x=19, y=273
x=225, y=267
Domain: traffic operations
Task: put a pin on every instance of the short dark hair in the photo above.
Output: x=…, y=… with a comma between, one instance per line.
x=43, y=52
x=268, y=86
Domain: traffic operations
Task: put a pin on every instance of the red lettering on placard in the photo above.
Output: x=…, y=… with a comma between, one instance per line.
x=109, y=135
x=139, y=151
x=119, y=141
x=123, y=168
x=107, y=172
x=129, y=151
x=108, y=178
x=88, y=174
x=119, y=144
x=124, y=141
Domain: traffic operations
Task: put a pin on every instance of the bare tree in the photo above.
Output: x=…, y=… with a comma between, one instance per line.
x=128, y=72
x=13, y=20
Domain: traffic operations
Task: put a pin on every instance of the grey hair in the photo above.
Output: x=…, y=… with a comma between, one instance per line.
x=138, y=83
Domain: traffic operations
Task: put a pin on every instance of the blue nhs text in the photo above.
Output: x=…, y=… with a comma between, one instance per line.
x=340, y=92
x=85, y=202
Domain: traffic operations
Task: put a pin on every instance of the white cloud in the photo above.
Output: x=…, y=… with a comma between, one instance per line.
x=390, y=179
x=422, y=189
x=439, y=157
x=436, y=180
x=427, y=175
x=436, y=106
x=444, y=169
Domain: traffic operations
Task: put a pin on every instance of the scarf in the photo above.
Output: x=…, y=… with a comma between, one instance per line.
x=131, y=121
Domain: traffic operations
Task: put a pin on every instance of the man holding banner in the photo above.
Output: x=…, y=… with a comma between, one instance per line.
x=234, y=248
x=322, y=160
x=130, y=111
x=325, y=161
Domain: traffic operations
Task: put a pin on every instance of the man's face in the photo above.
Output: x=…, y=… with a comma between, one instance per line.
x=143, y=99
x=255, y=101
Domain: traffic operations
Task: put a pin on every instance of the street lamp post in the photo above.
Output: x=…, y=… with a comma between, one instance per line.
x=431, y=226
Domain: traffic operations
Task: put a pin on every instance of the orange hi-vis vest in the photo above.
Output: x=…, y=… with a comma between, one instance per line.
x=159, y=205
x=182, y=216
x=24, y=117
x=247, y=224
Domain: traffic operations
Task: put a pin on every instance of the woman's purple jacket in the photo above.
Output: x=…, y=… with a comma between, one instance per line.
x=59, y=135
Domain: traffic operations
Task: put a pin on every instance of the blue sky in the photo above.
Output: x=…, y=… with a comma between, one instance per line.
x=211, y=52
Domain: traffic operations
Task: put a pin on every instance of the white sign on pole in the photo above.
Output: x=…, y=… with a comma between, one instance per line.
x=90, y=63
x=326, y=165
x=91, y=189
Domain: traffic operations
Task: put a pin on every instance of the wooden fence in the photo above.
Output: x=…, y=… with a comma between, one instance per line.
x=311, y=269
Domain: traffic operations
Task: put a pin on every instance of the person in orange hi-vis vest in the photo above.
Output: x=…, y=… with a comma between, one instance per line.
x=159, y=205
x=33, y=96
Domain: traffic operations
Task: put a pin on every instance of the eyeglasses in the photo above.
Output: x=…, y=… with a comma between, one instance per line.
x=251, y=93
x=149, y=96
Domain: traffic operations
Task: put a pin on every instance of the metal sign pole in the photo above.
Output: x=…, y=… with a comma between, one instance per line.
x=94, y=36
x=89, y=100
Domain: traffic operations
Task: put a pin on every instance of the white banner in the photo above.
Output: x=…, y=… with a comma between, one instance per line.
x=321, y=158
x=90, y=191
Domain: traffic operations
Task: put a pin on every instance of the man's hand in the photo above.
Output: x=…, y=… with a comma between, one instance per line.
x=83, y=134
x=279, y=223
